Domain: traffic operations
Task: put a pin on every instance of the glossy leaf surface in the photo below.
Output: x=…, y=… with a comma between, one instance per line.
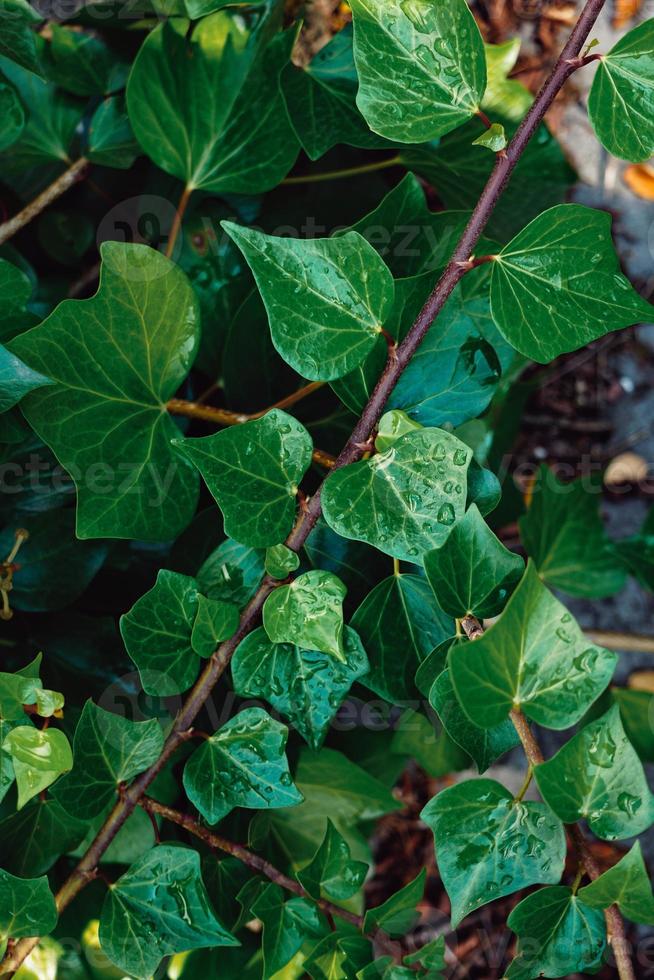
x=626, y=884
x=308, y=612
x=38, y=758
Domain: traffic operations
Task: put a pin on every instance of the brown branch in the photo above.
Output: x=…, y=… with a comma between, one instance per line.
x=58, y=187
x=352, y=452
x=614, y=921
x=180, y=211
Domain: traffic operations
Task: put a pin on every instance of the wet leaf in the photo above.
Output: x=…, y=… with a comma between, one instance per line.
x=308, y=612
x=38, y=757
x=626, y=884
x=281, y=561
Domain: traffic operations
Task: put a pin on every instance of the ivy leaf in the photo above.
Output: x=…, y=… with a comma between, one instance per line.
x=563, y=532
x=434, y=751
x=484, y=745
x=505, y=96
x=160, y=906
x=13, y=116
x=215, y=621
x=38, y=757
x=472, y=572
x=253, y=471
x=636, y=709
x=108, y=750
x=16, y=380
x=181, y=116
x=16, y=291
x=111, y=140
x=598, y=776
x=626, y=884
x=558, y=284
x=421, y=66
x=306, y=686
x=103, y=415
x=286, y=925
x=280, y=561
x=494, y=138
x=489, y=845
x=535, y=658
x=243, y=765
x=327, y=298
x=308, y=612
x=231, y=573
x=431, y=956
x=321, y=99
x=391, y=426
x=403, y=501
x=399, y=624
x=399, y=913
x=557, y=934
x=32, y=840
x=17, y=39
x=621, y=100
x=15, y=691
x=332, y=873
x=27, y=906
x=83, y=64
x=157, y=633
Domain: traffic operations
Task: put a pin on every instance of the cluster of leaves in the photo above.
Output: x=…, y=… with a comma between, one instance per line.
x=134, y=517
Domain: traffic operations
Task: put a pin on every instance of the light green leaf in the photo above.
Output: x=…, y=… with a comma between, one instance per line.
x=215, y=621
x=598, y=776
x=111, y=140
x=494, y=138
x=32, y=840
x=391, y=426
x=403, y=501
x=557, y=286
x=505, y=96
x=253, y=471
x=399, y=624
x=306, y=686
x=243, y=765
x=12, y=115
x=327, y=299
x=332, y=873
x=399, y=913
x=103, y=415
x=108, y=750
x=308, y=612
x=558, y=935
x=484, y=745
x=563, y=532
x=421, y=66
x=286, y=925
x=27, y=906
x=489, y=845
x=205, y=105
x=621, y=100
x=626, y=884
x=17, y=37
x=534, y=658
x=472, y=572
x=280, y=561
x=38, y=757
x=157, y=633
x=160, y=906
x=15, y=691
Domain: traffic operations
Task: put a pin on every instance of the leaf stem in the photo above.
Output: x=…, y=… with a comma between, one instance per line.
x=525, y=786
x=352, y=452
x=177, y=220
x=58, y=187
x=366, y=168
x=484, y=118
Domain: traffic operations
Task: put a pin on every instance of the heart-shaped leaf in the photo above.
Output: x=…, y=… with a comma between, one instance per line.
x=332, y=873
x=398, y=914
x=281, y=561
x=17, y=36
x=111, y=140
x=38, y=757
x=215, y=621
x=308, y=612
x=33, y=839
x=27, y=906
x=626, y=884
x=286, y=925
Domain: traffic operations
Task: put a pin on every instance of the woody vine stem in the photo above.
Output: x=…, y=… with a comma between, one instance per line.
x=570, y=60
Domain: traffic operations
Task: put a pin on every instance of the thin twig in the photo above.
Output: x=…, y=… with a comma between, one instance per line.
x=177, y=220
x=352, y=452
x=366, y=168
x=58, y=187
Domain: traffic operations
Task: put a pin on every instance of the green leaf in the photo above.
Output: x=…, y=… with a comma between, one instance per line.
x=332, y=873
x=327, y=298
x=416, y=737
x=160, y=906
x=231, y=573
x=505, y=96
x=306, y=686
x=38, y=757
x=493, y=139
x=321, y=99
x=16, y=380
x=157, y=633
x=12, y=115
x=32, y=840
x=431, y=956
x=598, y=776
x=286, y=925
x=83, y=64
x=108, y=750
x=243, y=764
x=558, y=284
x=253, y=471
x=421, y=66
x=206, y=107
x=626, y=884
x=489, y=845
x=15, y=691
x=308, y=612
x=215, y=621
x=472, y=572
x=558, y=935
x=111, y=140
x=398, y=914
x=403, y=501
x=115, y=360
x=621, y=100
x=280, y=561
x=563, y=532
x=17, y=38
x=391, y=426
x=534, y=658
x=636, y=711
x=16, y=291
x=27, y=906
x=399, y=624
x=484, y=745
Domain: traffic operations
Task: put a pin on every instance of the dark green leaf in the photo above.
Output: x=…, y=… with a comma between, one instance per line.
x=111, y=140
x=286, y=925
x=16, y=380
x=626, y=884
x=12, y=115
x=215, y=621
x=332, y=873
x=32, y=840
x=416, y=737
x=308, y=612
x=16, y=290
x=83, y=64
x=27, y=907
x=637, y=712
x=38, y=757
x=17, y=38
x=231, y=573
x=398, y=914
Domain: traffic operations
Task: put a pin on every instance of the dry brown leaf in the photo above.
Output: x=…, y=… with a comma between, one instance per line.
x=624, y=10
x=639, y=178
